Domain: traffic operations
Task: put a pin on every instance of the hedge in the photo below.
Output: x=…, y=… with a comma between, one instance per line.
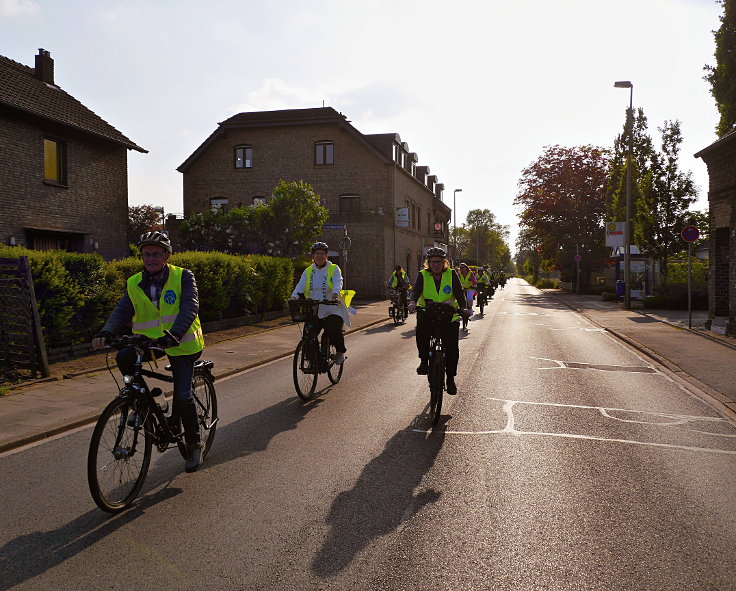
x=76, y=292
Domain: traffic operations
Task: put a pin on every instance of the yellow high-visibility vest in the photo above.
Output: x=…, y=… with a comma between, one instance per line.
x=429, y=290
x=151, y=321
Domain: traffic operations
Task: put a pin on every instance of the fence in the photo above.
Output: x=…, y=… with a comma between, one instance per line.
x=22, y=350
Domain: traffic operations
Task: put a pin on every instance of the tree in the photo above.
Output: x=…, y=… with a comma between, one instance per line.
x=665, y=194
x=722, y=76
x=142, y=219
x=483, y=240
x=292, y=218
x=563, y=199
x=284, y=226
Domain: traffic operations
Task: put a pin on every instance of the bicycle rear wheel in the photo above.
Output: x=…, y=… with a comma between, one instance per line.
x=119, y=454
x=305, y=369
x=436, y=377
x=203, y=392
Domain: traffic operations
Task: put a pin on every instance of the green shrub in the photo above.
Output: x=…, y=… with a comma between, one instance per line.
x=654, y=302
x=548, y=284
x=608, y=296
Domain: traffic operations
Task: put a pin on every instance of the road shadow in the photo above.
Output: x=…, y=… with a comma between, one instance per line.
x=31, y=555
x=254, y=432
x=383, y=497
x=383, y=328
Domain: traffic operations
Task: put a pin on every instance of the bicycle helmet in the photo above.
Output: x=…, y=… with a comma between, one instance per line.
x=155, y=238
x=436, y=251
x=320, y=246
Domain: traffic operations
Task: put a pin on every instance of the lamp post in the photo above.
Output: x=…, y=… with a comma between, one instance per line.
x=627, y=233
x=454, y=224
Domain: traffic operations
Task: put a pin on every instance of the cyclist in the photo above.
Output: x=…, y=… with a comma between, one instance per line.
x=469, y=282
x=163, y=297
x=439, y=283
x=322, y=280
x=399, y=281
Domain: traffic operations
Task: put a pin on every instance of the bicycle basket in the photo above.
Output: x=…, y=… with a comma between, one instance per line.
x=301, y=311
x=439, y=314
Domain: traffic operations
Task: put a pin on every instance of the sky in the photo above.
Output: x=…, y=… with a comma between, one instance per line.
x=477, y=88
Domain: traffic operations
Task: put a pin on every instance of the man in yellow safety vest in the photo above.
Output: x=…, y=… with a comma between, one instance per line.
x=161, y=299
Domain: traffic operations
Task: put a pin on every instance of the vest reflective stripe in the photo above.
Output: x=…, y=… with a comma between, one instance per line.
x=330, y=272
x=429, y=290
x=151, y=321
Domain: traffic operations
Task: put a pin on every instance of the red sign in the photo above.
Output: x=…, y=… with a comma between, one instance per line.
x=690, y=233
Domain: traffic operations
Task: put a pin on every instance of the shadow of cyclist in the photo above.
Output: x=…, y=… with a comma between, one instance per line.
x=31, y=555
x=382, y=499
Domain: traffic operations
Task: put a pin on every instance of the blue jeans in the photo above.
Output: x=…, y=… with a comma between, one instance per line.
x=182, y=369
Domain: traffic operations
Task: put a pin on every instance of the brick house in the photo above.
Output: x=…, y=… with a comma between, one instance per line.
x=361, y=179
x=64, y=170
x=720, y=158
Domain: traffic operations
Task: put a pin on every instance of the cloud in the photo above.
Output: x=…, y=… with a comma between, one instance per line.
x=13, y=8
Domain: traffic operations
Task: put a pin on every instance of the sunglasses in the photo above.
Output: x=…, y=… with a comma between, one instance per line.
x=153, y=255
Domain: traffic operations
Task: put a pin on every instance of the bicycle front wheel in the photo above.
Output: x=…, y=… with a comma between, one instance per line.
x=334, y=370
x=436, y=377
x=305, y=369
x=119, y=454
x=203, y=392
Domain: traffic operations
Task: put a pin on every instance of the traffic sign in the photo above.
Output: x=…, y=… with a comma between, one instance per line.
x=690, y=233
x=578, y=258
x=344, y=243
x=333, y=226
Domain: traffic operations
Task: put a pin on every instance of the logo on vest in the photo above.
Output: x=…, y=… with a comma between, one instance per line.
x=170, y=297
x=447, y=289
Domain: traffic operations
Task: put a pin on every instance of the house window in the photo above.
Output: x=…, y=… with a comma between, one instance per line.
x=413, y=216
x=419, y=218
x=324, y=153
x=243, y=157
x=259, y=201
x=349, y=204
x=217, y=204
x=54, y=161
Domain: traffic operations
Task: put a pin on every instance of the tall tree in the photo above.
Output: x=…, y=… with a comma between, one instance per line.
x=141, y=219
x=482, y=240
x=665, y=194
x=562, y=197
x=722, y=76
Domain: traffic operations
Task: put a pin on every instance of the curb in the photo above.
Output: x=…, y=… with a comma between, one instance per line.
x=91, y=418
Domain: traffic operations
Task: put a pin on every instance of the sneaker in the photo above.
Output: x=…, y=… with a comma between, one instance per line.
x=194, y=459
x=423, y=368
x=451, y=387
x=340, y=358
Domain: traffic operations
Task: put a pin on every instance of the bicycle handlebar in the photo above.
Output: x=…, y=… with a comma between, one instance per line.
x=311, y=301
x=138, y=340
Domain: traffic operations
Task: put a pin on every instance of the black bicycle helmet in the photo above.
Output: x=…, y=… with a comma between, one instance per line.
x=436, y=251
x=155, y=238
x=320, y=246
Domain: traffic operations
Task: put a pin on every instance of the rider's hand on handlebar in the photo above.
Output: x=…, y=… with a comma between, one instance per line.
x=101, y=340
x=167, y=341
x=412, y=307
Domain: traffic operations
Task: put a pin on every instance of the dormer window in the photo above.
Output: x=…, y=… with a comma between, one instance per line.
x=243, y=156
x=324, y=153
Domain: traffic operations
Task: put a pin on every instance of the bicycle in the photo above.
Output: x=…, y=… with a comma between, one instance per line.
x=311, y=356
x=484, y=294
x=439, y=315
x=465, y=318
x=398, y=311
x=120, y=449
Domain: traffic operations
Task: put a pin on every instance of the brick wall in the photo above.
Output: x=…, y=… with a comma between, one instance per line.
x=287, y=152
x=94, y=202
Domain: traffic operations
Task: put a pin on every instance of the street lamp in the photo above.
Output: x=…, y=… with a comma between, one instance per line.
x=454, y=223
x=627, y=233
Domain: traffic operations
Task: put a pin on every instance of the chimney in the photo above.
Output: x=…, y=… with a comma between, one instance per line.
x=44, y=66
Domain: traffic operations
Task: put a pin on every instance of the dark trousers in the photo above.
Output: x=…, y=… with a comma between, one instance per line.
x=332, y=325
x=450, y=335
x=182, y=370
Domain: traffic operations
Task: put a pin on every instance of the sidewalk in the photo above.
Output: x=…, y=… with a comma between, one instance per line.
x=705, y=359
x=48, y=408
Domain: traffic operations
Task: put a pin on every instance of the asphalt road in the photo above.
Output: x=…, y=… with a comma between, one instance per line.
x=566, y=462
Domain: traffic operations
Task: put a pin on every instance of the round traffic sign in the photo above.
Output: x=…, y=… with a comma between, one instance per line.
x=344, y=243
x=690, y=233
